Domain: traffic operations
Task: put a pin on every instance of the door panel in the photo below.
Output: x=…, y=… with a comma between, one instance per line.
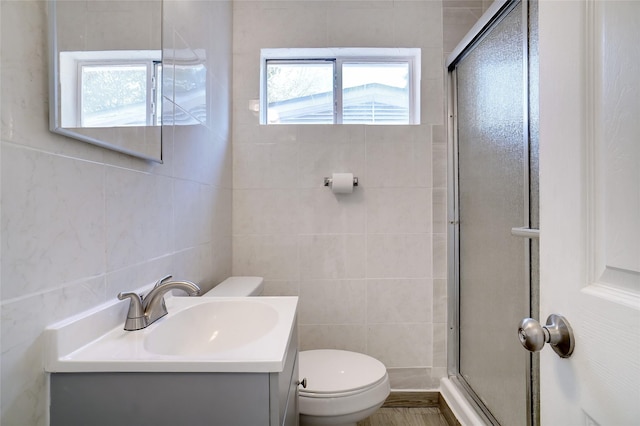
x=590, y=208
x=493, y=270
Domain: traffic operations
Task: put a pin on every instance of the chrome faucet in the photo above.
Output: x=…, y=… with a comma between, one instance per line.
x=145, y=311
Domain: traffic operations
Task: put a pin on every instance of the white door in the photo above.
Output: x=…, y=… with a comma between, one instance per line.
x=590, y=208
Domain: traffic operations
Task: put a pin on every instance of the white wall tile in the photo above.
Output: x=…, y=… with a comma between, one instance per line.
x=332, y=256
x=220, y=216
x=400, y=345
x=439, y=300
x=399, y=301
x=410, y=378
x=398, y=163
x=193, y=155
x=22, y=379
x=53, y=220
x=348, y=337
x=281, y=288
x=332, y=302
x=360, y=28
x=458, y=21
x=440, y=344
x=189, y=219
x=424, y=22
x=399, y=256
x=395, y=134
x=138, y=217
x=31, y=315
x=246, y=83
x=275, y=207
x=274, y=257
x=318, y=160
x=440, y=256
x=398, y=210
x=433, y=111
x=432, y=63
x=439, y=165
x=440, y=220
x=80, y=223
x=24, y=392
x=320, y=211
x=138, y=275
x=324, y=133
x=279, y=25
x=265, y=165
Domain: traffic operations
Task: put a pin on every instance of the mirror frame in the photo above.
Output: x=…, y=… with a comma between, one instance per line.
x=54, y=97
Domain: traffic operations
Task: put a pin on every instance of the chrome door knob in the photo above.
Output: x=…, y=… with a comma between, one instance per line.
x=532, y=335
x=557, y=332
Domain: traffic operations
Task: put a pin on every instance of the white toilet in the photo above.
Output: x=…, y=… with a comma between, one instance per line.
x=342, y=387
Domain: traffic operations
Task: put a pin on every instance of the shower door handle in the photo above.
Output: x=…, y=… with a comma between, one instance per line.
x=525, y=232
x=557, y=332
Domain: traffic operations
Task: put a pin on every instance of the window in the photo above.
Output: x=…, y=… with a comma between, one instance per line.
x=110, y=88
x=340, y=86
x=118, y=93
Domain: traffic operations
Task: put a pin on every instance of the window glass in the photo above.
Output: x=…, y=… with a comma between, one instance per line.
x=375, y=93
x=114, y=95
x=339, y=85
x=300, y=92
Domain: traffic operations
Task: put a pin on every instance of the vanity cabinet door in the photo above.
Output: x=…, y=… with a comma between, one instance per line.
x=291, y=413
x=284, y=390
x=159, y=399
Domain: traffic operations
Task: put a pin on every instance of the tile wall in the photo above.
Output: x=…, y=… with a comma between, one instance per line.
x=79, y=223
x=368, y=266
x=459, y=16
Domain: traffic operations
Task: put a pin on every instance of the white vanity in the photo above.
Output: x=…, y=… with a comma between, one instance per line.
x=210, y=361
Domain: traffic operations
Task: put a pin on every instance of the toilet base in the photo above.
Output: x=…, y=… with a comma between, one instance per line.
x=350, y=419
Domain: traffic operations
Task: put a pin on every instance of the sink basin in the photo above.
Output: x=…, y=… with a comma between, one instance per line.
x=212, y=327
x=200, y=334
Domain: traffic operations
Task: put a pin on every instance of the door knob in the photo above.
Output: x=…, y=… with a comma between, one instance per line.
x=557, y=332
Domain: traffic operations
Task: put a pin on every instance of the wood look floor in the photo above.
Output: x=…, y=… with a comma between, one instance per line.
x=415, y=416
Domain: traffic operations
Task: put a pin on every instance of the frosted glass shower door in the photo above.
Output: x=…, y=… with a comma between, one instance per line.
x=492, y=197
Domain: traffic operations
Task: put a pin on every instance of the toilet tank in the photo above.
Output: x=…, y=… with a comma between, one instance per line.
x=237, y=287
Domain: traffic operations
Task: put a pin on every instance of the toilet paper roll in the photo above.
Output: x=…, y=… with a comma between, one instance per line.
x=342, y=183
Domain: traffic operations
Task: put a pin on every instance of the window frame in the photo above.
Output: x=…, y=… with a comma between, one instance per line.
x=70, y=79
x=339, y=57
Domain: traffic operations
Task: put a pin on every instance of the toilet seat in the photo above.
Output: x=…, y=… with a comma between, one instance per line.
x=331, y=372
x=340, y=383
x=343, y=394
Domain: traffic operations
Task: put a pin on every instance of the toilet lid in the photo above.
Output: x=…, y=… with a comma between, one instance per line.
x=335, y=371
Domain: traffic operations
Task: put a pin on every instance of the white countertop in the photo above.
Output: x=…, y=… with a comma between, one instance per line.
x=96, y=342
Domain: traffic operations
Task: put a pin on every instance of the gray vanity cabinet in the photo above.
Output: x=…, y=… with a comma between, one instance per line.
x=177, y=399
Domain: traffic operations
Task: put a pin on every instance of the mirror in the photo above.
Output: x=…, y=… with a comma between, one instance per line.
x=106, y=73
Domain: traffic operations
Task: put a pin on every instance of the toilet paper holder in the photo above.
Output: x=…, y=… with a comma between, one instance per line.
x=328, y=181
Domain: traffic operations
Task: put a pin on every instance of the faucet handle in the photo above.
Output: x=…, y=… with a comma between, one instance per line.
x=136, y=319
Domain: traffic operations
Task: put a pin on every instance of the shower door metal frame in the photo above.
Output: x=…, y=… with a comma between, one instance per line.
x=494, y=14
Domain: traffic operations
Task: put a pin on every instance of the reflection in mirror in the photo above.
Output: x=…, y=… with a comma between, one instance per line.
x=110, y=88
x=106, y=69
x=188, y=80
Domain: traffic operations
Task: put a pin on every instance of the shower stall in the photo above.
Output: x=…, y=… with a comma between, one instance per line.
x=493, y=214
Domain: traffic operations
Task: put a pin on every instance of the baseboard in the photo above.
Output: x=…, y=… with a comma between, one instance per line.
x=445, y=410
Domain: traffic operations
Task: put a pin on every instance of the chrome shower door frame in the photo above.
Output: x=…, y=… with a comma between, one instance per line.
x=496, y=12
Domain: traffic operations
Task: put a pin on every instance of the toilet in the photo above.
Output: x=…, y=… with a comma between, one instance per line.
x=342, y=387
